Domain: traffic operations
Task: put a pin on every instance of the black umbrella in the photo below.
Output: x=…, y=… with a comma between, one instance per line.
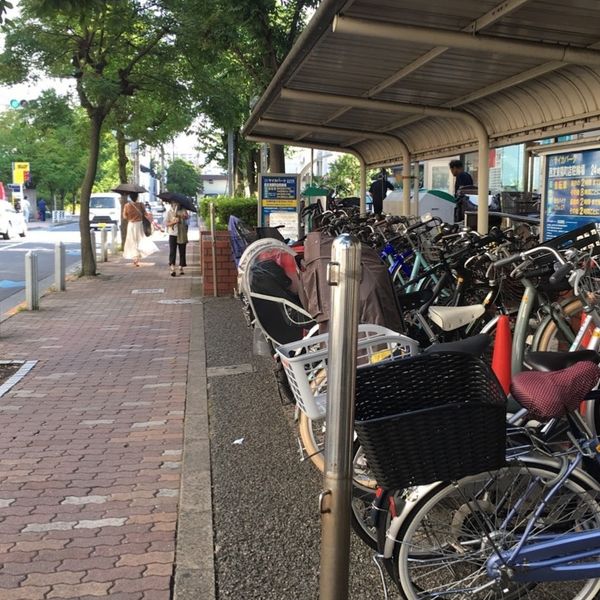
x=130, y=188
x=183, y=201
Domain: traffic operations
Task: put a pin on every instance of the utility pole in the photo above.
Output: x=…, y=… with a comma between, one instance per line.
x=230, y=164
x=135, y=159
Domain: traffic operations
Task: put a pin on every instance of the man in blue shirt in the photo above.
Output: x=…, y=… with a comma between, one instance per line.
x=462, y=178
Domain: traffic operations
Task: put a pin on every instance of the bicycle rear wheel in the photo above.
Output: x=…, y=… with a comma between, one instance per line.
x=444, y=544
x=312, y=435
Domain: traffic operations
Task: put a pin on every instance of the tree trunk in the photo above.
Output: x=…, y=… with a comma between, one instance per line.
x=88, y=254
x=276, y=158
x=123, y=160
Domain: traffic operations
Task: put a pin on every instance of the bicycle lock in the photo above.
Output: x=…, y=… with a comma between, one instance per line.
x=343, y=275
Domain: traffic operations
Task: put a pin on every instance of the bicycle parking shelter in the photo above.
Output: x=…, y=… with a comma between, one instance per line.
x=398, y=81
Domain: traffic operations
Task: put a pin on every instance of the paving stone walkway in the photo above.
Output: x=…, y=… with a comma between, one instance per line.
x=91, y=438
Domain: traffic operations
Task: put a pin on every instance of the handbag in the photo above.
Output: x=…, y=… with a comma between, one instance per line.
x=146, y=225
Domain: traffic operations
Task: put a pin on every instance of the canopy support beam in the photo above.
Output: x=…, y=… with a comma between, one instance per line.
x=428, y=111
x=467, y=41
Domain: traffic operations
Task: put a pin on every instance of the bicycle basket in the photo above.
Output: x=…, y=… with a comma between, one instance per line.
x=305, y=362
x=434, y=417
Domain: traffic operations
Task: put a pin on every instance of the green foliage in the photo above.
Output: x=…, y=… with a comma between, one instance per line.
x=183, y=177
x=50, y=135
x=239, y=206
x=344, y=176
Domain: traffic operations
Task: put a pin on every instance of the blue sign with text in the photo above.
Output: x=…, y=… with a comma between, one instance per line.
x=572, y=191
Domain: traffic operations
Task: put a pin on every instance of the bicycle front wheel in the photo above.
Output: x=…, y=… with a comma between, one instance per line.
x=445, y=542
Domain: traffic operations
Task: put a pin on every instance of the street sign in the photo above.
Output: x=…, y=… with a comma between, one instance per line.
x=20, y=172
x=278, y=202
x=15, y=187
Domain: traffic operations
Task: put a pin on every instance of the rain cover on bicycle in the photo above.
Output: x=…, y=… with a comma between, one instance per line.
x=270, y=283
x=377, y=299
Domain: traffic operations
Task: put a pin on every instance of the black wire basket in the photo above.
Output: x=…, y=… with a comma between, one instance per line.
x=434, y=417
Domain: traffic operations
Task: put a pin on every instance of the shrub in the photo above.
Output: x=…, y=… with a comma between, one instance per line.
x=242, y=207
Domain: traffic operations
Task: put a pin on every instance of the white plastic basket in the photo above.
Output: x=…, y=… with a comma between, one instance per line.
x=305, y=362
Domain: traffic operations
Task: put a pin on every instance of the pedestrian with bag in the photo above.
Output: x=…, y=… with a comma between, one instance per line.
x=177, y=228
x=137, y=244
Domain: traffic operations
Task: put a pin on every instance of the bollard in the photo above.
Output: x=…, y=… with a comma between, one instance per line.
x=114, y=242
x=104, y=244
x=214, y=247
x=32, y=294
x=60, y=267
x=335, y=499
x=94, y=248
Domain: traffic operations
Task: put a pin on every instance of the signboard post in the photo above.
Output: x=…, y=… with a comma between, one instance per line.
x=278, y=202
x=572, y=191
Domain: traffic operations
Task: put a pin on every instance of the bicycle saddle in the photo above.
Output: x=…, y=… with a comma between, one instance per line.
x=449, y=318
x=555, y=361
x=552, y=394
x=474, y=345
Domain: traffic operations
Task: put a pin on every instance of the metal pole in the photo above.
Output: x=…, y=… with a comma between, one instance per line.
x=230, y=164
x=104, y=245
x=59, y=267
x=213, y=245
x=312, y=165
x=114, y=242
x=363, y=187
x=483, y=183
x=335, y=500
x=94, y=249
x=416, y=187
x=31, y=281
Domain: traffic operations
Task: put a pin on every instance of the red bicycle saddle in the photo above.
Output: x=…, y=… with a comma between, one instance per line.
x=548, y=395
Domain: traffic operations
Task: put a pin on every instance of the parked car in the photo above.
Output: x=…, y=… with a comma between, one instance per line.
x=105, y=209
x=12, y=222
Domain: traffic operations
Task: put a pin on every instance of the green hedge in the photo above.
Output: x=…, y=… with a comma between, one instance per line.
x=242, y=207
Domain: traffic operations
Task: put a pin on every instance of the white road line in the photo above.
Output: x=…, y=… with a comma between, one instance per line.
x=12, y=245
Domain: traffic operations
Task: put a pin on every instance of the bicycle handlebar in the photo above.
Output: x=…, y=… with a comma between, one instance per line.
x=522, y=255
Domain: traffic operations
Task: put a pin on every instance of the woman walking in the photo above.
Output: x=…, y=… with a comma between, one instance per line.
x=176, y=223
x=137, y=245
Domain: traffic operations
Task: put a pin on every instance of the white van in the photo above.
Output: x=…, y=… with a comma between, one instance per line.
x=105, y=210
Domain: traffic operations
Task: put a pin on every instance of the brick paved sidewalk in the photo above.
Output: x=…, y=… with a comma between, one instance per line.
x=91, y=438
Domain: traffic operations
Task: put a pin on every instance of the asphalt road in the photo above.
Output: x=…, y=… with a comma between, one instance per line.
x=42, y=241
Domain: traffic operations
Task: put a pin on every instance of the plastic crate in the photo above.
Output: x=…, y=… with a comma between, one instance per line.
x=305, y=362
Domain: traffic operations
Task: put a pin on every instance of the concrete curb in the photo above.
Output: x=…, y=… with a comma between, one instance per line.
x=194, y=575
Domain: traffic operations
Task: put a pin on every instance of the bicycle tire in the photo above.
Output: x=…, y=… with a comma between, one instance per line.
x=363, y=492
x=545, y=338
x=457, y=553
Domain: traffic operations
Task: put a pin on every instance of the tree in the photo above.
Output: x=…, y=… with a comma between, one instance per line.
x=111, y=50
x=344, y=176
x=237, y=51
x=183, y=177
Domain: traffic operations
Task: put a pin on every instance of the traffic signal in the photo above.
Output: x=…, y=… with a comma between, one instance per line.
x=14, y=103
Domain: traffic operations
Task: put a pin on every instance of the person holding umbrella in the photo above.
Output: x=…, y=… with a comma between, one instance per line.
x=176, y=224
x=137, y=245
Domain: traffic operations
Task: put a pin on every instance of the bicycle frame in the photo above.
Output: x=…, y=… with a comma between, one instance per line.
x=550, y=557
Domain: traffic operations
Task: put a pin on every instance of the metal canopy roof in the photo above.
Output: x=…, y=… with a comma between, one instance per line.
x=391, y=79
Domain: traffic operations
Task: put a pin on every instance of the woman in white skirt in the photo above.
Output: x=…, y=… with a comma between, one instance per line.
x=137, y=245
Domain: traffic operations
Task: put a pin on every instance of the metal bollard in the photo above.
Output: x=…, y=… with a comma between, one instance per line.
x=60, y=267
x=213, y=237
x=335, y=499
x=94, y=248
x=114, y=242
x=104, y=245
x=32, y=293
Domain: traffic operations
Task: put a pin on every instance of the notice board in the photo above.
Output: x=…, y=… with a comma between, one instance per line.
x=278, y=202
x=572, y=191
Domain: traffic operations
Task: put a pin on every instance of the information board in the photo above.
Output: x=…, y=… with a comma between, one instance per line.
x=278, y=203
x=572, y=192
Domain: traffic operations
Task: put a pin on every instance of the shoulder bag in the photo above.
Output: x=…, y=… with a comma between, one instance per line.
x=146, y=225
